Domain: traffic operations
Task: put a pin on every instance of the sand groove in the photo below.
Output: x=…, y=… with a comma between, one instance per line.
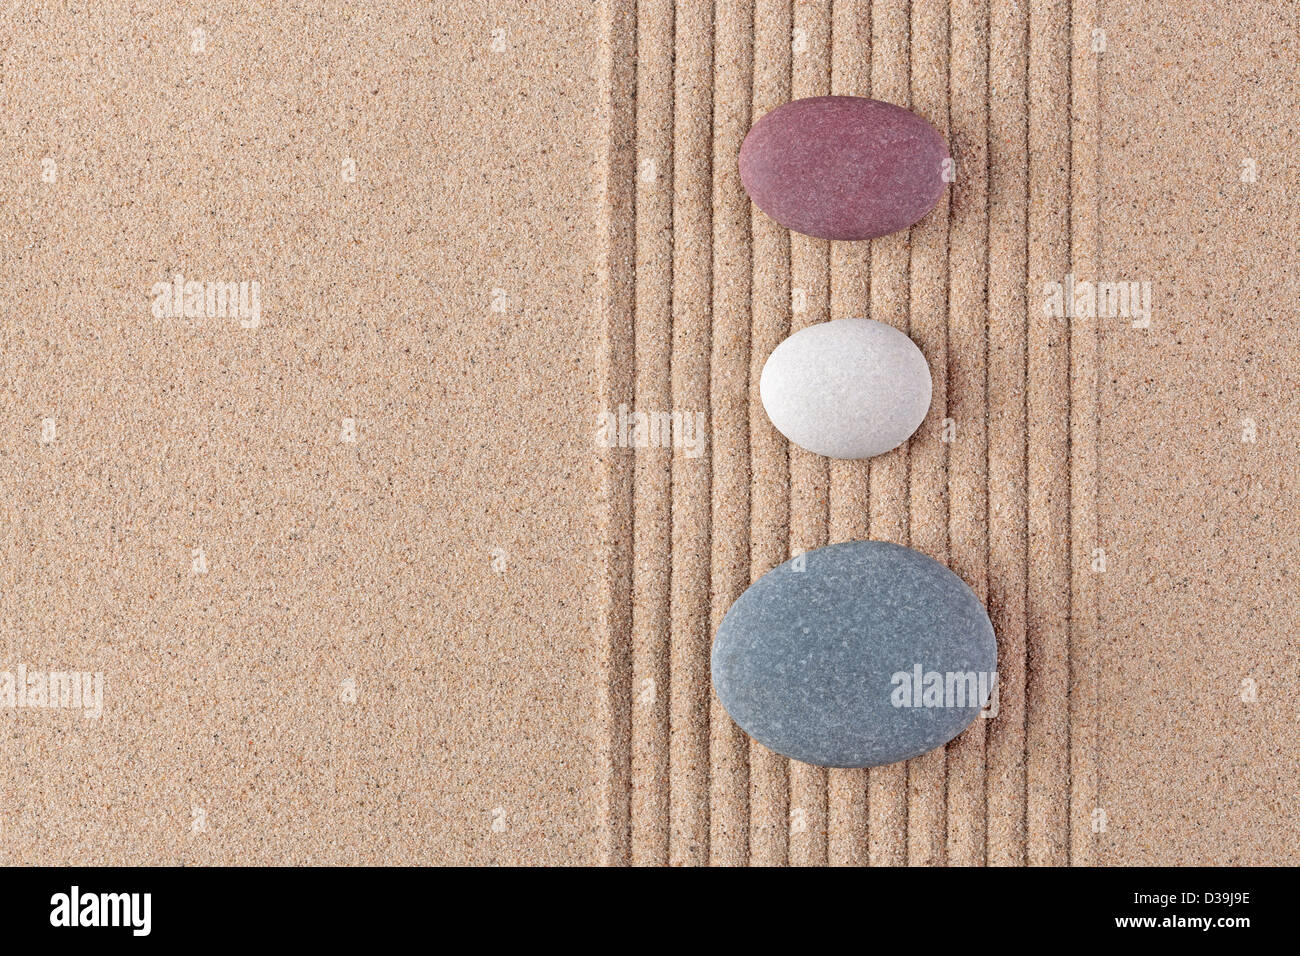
x=1007, y=407
x=729, y=400
x=968, y=539
x=615, y=294
x=1084, y=411
x=927, y=775
x=889, y=498
x=848, y=512
x=1048, y=432
x=652, y=521
x=770, y=501
x=810, y=301
x=689, y=691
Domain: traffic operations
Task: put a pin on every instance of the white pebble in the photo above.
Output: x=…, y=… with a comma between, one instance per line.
x=850, y=388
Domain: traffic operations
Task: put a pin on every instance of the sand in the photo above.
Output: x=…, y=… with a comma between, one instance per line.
x=362, y=584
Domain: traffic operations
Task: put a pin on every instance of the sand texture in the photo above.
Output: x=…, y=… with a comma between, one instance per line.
x=365, y=585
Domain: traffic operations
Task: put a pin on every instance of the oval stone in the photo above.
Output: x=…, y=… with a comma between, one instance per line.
x=849, y=388
x=843, y=167
x=871, y=654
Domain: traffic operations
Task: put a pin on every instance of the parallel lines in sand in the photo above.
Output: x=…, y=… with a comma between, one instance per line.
x=809, y=475
x=888, y=496
x=652, y=509
x=928, y=478
x=1048, y=435
x=967, y=389
x=613, y=551
x=729, y=400
x=692, y=238
x=770, y=488
x=850, y=276
x=1085, y=252
x=1008, y=558
x=688, y=329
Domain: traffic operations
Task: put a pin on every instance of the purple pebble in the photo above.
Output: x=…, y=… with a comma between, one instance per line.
x=843, y=167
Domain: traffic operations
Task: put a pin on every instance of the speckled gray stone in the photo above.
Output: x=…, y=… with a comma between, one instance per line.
x=815, y=663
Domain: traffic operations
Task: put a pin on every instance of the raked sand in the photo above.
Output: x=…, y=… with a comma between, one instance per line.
x=363, y=585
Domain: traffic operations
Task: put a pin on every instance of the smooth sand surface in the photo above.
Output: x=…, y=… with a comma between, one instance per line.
x=364, y=586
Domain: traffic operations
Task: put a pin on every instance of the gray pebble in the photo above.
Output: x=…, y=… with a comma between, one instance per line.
x=871, y=654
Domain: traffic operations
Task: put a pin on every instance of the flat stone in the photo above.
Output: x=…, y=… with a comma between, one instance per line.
x=843, y=167
x=849, y=388
x=873, y=653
